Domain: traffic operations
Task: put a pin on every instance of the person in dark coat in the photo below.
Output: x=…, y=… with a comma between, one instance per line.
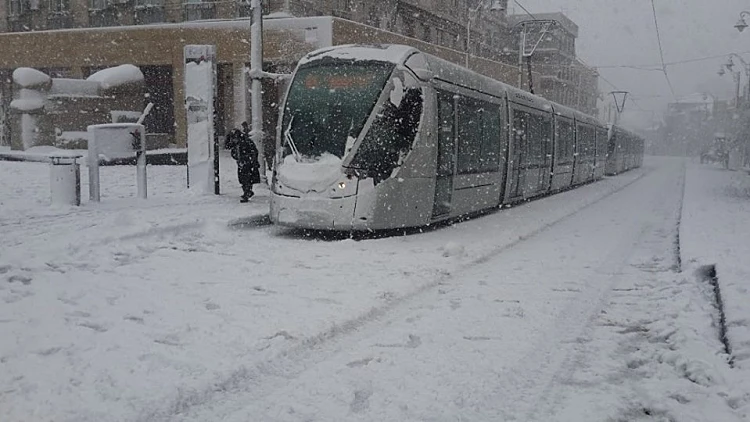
x=245, y=152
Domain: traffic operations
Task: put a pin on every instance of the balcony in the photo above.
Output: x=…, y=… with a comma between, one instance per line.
x=59, y=20
x=103, y=17
x=20, y=23
x=146, y=14
x=195, y=11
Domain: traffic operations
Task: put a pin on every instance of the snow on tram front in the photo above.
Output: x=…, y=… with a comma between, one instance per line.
x=350, y=119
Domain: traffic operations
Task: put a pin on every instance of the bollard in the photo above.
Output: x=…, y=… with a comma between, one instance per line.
x=65, y=180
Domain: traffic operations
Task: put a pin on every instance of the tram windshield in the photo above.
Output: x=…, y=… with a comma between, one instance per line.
x=328, y=103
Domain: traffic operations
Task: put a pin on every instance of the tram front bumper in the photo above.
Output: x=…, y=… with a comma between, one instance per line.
x=311, y=212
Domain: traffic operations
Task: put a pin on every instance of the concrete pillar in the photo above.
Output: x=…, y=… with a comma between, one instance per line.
x=240, y=97
x=178, y=84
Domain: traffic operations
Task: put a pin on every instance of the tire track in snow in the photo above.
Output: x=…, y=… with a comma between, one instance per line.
x=258, y=379
x=547, y=399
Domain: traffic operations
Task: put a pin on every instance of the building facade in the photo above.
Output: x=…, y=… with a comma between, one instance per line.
x=74, y=38
x=565, y=79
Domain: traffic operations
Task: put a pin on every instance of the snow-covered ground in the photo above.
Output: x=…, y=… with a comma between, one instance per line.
x=184, y=307
x=717, y=233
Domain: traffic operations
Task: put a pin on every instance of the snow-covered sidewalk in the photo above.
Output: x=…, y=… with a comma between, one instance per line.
x=132, y=309
x=716, y=231
x=183, y=307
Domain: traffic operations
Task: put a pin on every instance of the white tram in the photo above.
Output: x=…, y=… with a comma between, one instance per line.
x=379, y=137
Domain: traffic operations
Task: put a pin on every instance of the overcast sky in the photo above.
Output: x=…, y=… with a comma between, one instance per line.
x=622, y=32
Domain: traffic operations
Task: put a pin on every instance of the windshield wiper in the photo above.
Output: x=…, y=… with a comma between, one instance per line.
x=290, y=141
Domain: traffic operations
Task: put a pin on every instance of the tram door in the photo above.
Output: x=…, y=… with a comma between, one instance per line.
x=518, y=153
x=446, y=155
x=545, y=175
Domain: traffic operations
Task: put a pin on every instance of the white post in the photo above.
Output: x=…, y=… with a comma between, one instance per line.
x=521, y=47
x=65, y=180
x=93, y=164
x=256, y=70
x=141, y=155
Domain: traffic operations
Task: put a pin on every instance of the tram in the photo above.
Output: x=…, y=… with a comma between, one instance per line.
x=378, y=137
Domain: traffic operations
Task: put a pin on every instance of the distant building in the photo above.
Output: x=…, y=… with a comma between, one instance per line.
x=691, y=123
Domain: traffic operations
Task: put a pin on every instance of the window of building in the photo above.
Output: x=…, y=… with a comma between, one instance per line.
x=149, y=11
x=59, y=6
x=199, y=10
x=98, y=4
x=101, y=14
x=17, y=7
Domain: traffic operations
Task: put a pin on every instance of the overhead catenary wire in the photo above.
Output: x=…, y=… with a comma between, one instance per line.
x=661, y=50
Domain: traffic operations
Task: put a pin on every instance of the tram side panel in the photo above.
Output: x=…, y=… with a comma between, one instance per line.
x=564, y=150
x=601, y=153
x=584, y=154
x=405, y=200
x=531, y=159
x=473, y=133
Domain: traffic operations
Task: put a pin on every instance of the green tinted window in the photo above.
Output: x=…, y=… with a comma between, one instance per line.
x=330, y=101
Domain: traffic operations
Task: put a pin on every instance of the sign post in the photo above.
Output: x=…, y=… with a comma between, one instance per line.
x=200, y=97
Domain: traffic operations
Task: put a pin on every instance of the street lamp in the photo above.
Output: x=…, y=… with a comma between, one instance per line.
x=741, y=23
x=483, y=4
x=730, y=65
x=522, y=53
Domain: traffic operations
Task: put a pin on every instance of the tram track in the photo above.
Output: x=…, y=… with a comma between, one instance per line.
x=256, y=380
x=577, y=355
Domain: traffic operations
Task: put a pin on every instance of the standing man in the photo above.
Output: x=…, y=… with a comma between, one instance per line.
x=245, y=153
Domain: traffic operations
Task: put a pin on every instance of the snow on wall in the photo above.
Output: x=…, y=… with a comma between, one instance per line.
x=63, y=87
x=29, y=130
x=28, y=101
x=199, y=76
x=27, y=77
x=117, y=76
x=27, y=105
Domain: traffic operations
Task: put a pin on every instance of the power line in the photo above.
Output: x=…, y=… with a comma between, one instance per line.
x=524, y=9
x=631, y=98
x=661, y=50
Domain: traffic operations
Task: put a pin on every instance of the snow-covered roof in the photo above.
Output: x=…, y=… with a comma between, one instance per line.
x=392, y=53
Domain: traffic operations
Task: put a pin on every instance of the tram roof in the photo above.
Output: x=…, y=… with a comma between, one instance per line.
x=392, y=53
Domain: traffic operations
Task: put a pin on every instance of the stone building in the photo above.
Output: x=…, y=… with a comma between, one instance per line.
x=75, y=38
x=565, y=79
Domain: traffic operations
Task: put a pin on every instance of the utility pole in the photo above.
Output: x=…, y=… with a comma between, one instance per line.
x=256, y=75
x=522, y=53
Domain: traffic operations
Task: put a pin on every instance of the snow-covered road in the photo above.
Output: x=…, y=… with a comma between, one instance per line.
x=192, y=308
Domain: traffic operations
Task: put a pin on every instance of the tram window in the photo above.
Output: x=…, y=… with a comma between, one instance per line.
x=535, y=139
x=390, y=136
x=479, y=134
x=565, y=142
x=491, y=137
x=469, y=136
x=520, y=134
x=328, y=103
x=447, y=120
x=546, y=138
x=588, y=137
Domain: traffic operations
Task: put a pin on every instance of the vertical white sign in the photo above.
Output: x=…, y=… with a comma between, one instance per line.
x=200, y=91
